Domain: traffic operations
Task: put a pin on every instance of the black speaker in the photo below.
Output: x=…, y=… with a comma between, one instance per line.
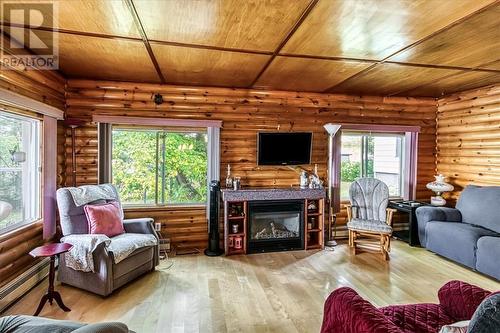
x=213, y=220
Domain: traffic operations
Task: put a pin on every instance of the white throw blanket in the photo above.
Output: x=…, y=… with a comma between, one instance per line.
x=80, y=256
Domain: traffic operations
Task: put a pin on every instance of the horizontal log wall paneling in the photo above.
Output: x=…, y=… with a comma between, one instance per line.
x=47, y=87
x=468, y=141
x=244, y=113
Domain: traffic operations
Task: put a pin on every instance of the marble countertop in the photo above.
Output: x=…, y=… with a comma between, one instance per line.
x=273, y=193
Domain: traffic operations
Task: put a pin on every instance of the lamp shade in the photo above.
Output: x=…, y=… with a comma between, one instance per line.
x=332, y=128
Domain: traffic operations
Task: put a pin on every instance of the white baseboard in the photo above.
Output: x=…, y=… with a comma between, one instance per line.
x=20, y=285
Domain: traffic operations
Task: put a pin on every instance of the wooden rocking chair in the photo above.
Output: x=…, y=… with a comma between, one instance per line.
x=369, y=221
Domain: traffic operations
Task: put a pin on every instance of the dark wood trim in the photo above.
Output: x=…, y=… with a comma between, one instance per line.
x=475, y=69
x=449, y=26
x=142, y=32
x=411, y=64
x=308, y=56
x=289, y=35
x=72, y=32
x=209, y=47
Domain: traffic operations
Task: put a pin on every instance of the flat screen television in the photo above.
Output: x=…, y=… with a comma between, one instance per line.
x=284, y=148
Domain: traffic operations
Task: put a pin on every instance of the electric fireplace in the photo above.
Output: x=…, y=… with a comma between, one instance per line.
x=275, y=226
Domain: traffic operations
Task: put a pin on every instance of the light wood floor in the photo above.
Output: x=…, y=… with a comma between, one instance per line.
x=274, y=292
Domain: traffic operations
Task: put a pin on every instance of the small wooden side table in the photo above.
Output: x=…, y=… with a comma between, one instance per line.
x=51, y=250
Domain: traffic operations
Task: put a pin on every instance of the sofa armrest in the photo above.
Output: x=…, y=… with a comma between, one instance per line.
x=426, y=214
x=106, y=327
x=347, y=312
x=460, y=299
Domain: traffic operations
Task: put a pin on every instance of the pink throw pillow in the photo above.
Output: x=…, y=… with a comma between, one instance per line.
x=104, y=219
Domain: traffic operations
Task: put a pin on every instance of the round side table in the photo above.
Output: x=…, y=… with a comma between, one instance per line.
x=51, y=250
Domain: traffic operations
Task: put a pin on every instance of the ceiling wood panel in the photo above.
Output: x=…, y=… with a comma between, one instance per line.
x=388, y=79
x=374, y=29
x=250, y=24
x=465, y=81
x=94, y=16
x=417, y=47
x=207, y=67
x=307, y=74
x=103, y=58
x=471, y=43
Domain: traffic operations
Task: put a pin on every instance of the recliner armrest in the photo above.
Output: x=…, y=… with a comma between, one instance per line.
x=143, y=225
x=426, y=214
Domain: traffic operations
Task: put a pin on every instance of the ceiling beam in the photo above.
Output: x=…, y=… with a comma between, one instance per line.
x=142, y=32
x=412, y=45
x=289, y=35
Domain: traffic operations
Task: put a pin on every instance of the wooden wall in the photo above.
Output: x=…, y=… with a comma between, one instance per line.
x=47, y=87
x=468, y=141
x=244, y=113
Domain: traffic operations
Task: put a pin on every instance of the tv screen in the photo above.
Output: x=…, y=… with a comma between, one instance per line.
x=284, y=148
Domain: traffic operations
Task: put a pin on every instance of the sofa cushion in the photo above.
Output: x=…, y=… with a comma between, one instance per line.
x=425, y=317
x=488, y=252
x=479, y=205
x=455, y=240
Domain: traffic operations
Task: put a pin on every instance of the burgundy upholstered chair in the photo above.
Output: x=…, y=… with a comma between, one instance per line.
x=347, y=312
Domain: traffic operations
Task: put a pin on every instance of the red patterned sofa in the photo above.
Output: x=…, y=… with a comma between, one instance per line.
x=347, y=312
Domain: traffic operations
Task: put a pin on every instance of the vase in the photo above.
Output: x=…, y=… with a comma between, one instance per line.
x=439, y=186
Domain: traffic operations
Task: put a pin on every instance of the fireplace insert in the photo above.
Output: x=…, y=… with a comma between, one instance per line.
x=275, y=226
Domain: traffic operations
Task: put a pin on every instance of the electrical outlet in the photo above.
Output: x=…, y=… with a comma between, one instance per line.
x=158, y=226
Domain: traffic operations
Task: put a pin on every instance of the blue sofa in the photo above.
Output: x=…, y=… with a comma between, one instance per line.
x=468, y=234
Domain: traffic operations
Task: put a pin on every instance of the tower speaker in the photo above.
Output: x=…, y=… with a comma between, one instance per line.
x=213, y=220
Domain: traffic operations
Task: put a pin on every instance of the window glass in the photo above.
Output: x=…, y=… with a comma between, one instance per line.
x=20, y=183
x=377, y=155
x=186, y=167
x=134, y=165
x=159, y=167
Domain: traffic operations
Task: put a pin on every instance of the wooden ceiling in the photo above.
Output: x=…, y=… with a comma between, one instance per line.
x=382, y=47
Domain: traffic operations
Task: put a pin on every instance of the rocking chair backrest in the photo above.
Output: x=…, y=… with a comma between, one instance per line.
x=369, y=198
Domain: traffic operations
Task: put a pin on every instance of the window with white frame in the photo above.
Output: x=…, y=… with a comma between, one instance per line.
x=378, y=155
x=155, y=166
x=20, y=170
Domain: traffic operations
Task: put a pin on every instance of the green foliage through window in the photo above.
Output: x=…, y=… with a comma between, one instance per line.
x=160, y=167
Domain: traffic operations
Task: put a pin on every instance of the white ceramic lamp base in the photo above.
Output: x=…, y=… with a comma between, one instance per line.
x=438, y=201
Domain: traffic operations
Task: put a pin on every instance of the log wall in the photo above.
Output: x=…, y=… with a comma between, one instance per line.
x=468, y=141
x=244, y=113
x=47, y=87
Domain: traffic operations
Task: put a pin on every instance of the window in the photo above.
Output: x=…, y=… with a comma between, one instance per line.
x=158, y=166
x=20, y=176
x=378, y=155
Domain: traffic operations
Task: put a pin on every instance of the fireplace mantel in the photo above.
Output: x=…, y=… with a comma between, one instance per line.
x=239, y=208
x=286, y=193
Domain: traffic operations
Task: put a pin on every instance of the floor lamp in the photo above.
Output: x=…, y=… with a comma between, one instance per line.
x=332, y=129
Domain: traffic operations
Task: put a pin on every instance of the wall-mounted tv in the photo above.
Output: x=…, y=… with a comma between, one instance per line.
x=284, y=148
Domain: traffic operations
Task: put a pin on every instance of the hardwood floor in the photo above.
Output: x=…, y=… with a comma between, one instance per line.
x=273, y=292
